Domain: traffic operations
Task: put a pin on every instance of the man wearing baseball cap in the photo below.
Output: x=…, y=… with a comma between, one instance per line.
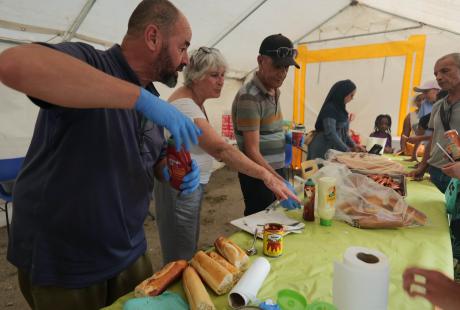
x=257, y=120
x=429, y=89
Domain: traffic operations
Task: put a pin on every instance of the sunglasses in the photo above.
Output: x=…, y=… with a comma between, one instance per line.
x=283, y=52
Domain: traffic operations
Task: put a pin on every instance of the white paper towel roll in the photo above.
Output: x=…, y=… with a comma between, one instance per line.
x=361, y=281
x=246, y=289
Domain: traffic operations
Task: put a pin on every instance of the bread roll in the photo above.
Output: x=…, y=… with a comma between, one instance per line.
x=224, y=263
x=219, y=279
x=160, y=280
x=414, y=217
x=372, y=199
x=376, y=222
x=197, y=296
x=232, y=252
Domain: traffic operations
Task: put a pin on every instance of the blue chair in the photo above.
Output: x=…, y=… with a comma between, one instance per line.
x=9, y=169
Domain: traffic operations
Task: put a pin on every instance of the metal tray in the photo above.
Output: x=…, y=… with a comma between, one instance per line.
x=400, y=178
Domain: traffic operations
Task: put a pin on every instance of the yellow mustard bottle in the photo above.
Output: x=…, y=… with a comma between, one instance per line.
x=326, y=200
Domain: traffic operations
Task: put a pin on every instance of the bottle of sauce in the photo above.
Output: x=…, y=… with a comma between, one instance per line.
x=326, y=200
x=179, y=163
x=309, y=201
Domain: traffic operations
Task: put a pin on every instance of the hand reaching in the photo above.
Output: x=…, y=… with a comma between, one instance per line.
x=418, y=173
x=440, y=290
x=452, y=170
x=279, y=188
x=359, y=148
x=290, y=203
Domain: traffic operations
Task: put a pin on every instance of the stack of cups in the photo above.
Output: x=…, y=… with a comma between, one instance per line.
x=297, y=134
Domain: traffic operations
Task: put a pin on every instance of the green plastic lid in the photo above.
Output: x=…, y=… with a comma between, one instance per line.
x=321, y=305
x=324, y=222
x=291, y=300
x=310, y=182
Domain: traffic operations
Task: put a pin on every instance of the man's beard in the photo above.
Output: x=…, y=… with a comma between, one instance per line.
x=168, y=75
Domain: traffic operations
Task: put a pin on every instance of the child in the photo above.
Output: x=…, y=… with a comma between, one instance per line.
x=382, y=129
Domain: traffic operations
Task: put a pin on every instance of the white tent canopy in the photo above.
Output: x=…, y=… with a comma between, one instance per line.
x=237, y=27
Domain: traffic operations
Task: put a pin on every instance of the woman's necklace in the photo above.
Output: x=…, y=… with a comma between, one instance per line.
x=200, y=105
x=204, y=111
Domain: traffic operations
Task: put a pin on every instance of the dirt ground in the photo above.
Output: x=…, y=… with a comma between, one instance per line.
x=223, y=202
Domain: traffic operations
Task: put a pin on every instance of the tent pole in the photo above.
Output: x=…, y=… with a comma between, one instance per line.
x=320, y=25
x=13, y=41
x=363, y=34
x=70, y=33
x=410, y=19
x=237, y=24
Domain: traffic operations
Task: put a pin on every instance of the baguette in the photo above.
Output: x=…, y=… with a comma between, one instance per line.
x=224, y=263
x=156, y=284
x=232, y=252
x=197, y=296
x=219, y=279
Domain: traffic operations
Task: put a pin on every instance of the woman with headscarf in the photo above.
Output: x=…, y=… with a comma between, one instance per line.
x=332, y=124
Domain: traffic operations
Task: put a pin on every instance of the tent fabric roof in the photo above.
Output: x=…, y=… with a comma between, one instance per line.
x=235, y=27
x=438, y=13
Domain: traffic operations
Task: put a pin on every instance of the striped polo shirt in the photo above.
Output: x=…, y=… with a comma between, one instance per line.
x=255, y=109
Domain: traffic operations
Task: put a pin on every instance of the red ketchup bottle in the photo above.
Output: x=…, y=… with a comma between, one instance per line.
x=179, y=163
x=309, y=201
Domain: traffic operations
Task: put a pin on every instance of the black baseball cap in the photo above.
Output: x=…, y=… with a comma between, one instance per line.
x=280, y=49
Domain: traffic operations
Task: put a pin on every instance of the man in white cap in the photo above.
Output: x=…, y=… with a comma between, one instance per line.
x=429, y=89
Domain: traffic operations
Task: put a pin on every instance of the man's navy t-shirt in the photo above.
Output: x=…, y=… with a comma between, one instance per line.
x=82, y=195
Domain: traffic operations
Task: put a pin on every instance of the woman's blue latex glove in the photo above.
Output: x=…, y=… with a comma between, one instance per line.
x=290, y=203
x=162, y=113
x=191, y=180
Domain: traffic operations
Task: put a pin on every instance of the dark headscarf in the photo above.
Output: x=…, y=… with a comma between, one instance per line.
x=334, y=104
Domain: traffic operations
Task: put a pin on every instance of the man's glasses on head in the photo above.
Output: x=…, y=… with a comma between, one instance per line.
x=207, y=50
x=283, y=52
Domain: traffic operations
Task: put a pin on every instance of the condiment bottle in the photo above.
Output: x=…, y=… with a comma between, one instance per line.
x=179, y=163
x=453, y=147
x=309, y=201
x=326, y=200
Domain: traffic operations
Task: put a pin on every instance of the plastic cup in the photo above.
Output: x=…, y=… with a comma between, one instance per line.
x=297, y=137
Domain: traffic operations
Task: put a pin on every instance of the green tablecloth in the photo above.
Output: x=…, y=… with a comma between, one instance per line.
x=307, y=263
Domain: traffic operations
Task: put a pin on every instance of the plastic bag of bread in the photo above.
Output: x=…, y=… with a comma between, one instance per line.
x=363, y=203
x=365, y=162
